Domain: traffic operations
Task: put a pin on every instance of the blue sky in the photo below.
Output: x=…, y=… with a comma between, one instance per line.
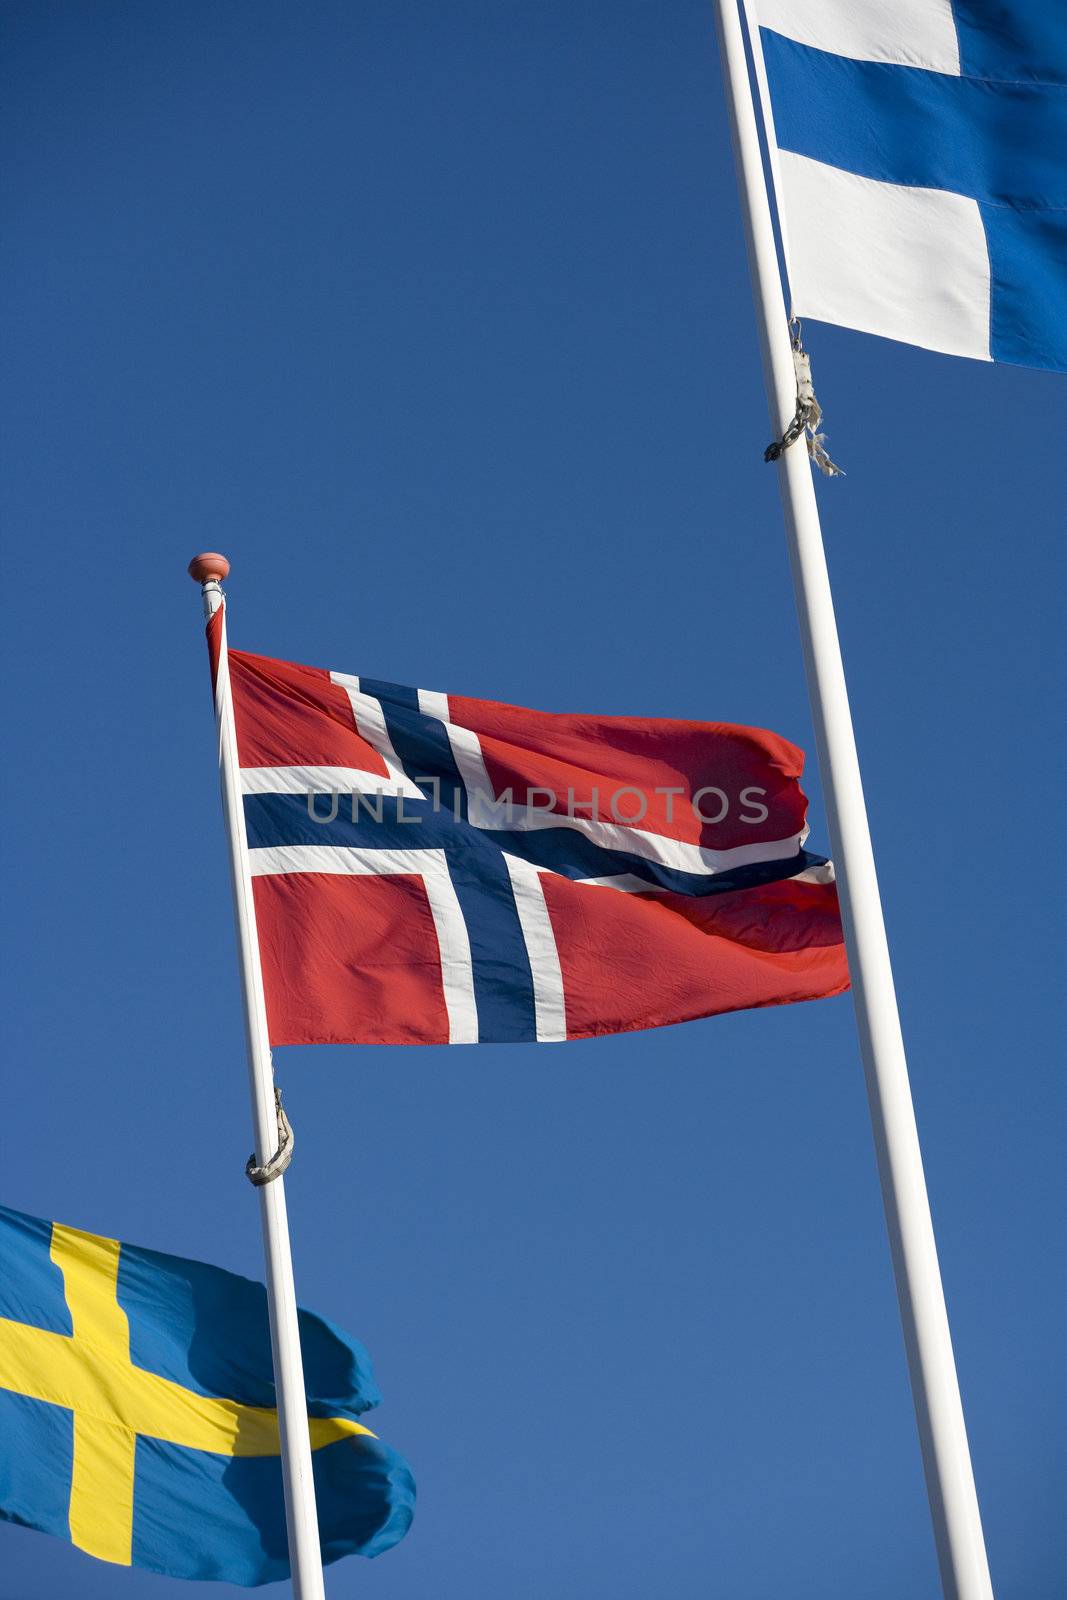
x=435, y=318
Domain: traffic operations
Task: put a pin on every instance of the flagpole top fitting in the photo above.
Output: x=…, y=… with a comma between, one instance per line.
x=209, y=567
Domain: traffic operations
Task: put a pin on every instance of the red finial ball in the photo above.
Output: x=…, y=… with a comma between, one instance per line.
x=210, y=565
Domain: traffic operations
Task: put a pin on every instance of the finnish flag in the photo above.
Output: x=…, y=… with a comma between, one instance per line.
x=919, y=151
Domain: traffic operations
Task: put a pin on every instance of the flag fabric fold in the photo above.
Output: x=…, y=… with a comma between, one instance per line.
x=430, y=868
x=920, y=155
x=138, y=1420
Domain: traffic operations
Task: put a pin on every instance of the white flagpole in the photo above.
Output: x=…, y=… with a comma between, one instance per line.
x=942, y=1434
x=305, y=1557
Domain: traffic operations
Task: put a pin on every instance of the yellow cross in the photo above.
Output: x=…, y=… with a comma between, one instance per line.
x=91, y=1374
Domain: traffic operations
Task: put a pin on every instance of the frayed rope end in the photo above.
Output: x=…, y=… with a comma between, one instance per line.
x=806, y=417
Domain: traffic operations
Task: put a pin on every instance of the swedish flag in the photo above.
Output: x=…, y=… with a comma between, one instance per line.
x=137, y=1412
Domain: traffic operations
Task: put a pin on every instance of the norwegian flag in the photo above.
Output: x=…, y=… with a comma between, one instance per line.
x=432, y=869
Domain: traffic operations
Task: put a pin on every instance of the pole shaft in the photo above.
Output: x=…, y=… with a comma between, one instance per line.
x=939, y=1411
x=305, y=1557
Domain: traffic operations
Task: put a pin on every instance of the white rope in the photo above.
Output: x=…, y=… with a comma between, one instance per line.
x=807, y=416
x=276, y=1164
